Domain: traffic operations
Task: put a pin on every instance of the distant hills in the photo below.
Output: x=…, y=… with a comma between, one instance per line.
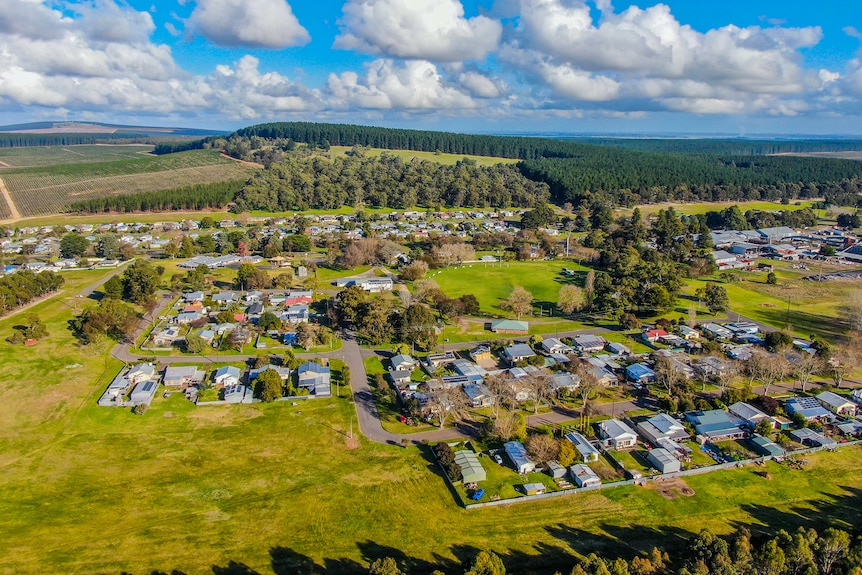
x=101, y=128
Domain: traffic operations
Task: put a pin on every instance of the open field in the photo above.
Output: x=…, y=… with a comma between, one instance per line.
x=542, y=279
x=704, y=207
x=50, y=189
x=445, y=159
x=50, y=155
x=276, y=488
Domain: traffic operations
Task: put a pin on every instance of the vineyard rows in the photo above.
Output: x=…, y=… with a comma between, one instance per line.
x=52, y=189
x=49, y=156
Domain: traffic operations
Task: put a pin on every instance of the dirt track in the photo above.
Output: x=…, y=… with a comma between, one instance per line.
x=14, y=214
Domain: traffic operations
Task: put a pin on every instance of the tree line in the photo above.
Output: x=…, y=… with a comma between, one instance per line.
x=385, y=181
x=731, y=147
x=25, y=140
x=197, y=197
x=23, y=287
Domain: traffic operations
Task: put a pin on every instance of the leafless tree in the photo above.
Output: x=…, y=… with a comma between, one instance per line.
x=806, y=367
x=540, y=389
x=587, y=390
x=768, y=368
x=520, y=301
x=501, y=391
x=455, y=253
x=448, y=404
x=542, y=448
x=667, y=373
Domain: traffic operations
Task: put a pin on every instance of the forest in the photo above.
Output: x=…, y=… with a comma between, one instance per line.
x=23, y=287
x=198, y=197
x=385, y=181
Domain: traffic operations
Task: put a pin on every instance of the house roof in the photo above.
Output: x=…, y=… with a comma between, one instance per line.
x=584, y=447
x=312, y=367
x=767, y=446
x=834, y=400
x=808, y=407
x=663, y=457
x=471, y=468
x=510, y=325
x=181, y=371
x=639, y=371
x=746, y=411
x=614, y=428
x=401, y=358
x=518, y=350
x=517, y=453
x=228, y=371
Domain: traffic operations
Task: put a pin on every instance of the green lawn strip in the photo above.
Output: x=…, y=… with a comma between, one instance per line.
x=704, y=207
x=436, y=157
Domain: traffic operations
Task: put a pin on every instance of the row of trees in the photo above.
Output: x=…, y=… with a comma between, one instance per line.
x=23, y=287
x=198, y=197
x=385, y=181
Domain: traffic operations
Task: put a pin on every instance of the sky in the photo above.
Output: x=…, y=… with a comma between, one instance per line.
x=729, y=67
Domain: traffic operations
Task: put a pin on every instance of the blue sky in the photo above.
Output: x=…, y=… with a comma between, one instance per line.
x=495, y=66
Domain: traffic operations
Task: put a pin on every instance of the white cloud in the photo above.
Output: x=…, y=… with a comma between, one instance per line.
x=259, y=24
x=422, y=29
x=386, y=85
x=481, y=86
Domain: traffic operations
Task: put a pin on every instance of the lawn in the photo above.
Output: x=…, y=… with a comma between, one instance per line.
x=704, y=207
x=542, y=279
x=276, y=488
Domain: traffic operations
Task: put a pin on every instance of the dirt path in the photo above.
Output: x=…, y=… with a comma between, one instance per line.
x=5, y=165
x=14, y=214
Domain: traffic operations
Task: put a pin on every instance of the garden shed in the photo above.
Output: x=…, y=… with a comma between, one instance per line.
x=471, y=468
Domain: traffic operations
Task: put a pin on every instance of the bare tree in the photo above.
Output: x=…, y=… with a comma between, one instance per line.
x=667, y=373
x=807, y=366
x=768, y=368
x=448, y=404
x=520, y=301
x=540, y=388
x=729, y=371
x=455, y=253
x=587, y=389
x=501, y=391
x=854, y=310
x=542, y=448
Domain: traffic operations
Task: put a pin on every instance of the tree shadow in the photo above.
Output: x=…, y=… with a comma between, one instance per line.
x=234, y=568
x=286, y=561
x=371, y=551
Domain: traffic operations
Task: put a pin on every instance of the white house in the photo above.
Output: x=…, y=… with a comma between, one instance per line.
x=617, y=435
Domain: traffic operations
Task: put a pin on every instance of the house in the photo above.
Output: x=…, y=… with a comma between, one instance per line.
x=617, y=348
x=715, y=425
x=653, y=335
x=687, y=333
x=584, y=447
x=811, y=438
x=113, y=395
x=663, y=460
x=167, y=337
x=856, y=396
x=640, y=373
x=295, y=314
x=740, y=352
x=765, y=447
x=716, y=331
x=748, y=413
x=188, y=317
x=678, y=450
x=837, y=404
x=373, y=285
x=565, y=381
x=807, y=407
x=402, y=362
x=142, y=372
x=471, y=468
x=224, y=298
x=583, y=476
x=315, y=378
x=478, y=395
x=616, y=435
x=436, y=360
x=237, y=394
x=144, y=392
x=182, y=376
x=517, y=352
x=283, y=372
x=552, y=345
x=400, y=377
x=227, y=376
x=481, y=353
x=469, y=369
x=517, y=453
x=662, y=426
x=588, y=343
x=711, y=366
x=195, y=296
x=510, y=326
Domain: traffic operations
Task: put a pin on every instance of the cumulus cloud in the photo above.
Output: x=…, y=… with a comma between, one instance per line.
x=387, y=85
x=422, y=29
x=647, y=53
x=259, y=24
x=481, y=86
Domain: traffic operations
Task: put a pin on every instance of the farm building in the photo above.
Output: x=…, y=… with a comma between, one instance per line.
x=766, y=447
x=471, y=468
x=510, y=326
x=662, y=426
x=583, y=476
x=518, y=455
x=617, y=435
x=663, y=460
x=584, y=447
x=144, y=392
x=837, y=404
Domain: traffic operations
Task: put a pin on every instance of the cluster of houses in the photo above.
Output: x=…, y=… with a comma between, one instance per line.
x=739, y=249
x=138, y=385
x=669, y=439
x=290, y=307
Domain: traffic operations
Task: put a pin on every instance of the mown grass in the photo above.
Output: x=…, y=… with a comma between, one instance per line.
x=696, y=208
x=277, y=488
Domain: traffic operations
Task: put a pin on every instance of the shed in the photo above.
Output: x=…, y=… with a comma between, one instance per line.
x=533, y=488
x=663, y=460
x=811, y=438
x=471, y=468
x=766, y=447
x=518, y=455
x=584, y=447
x=583, y=476
x=556, y=470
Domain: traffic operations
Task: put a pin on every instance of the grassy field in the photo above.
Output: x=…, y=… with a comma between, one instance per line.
x=51, y=188
x=278, y=489
x=50, y=155
x=542, y=279
x=704, y=207
x=445, y=159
